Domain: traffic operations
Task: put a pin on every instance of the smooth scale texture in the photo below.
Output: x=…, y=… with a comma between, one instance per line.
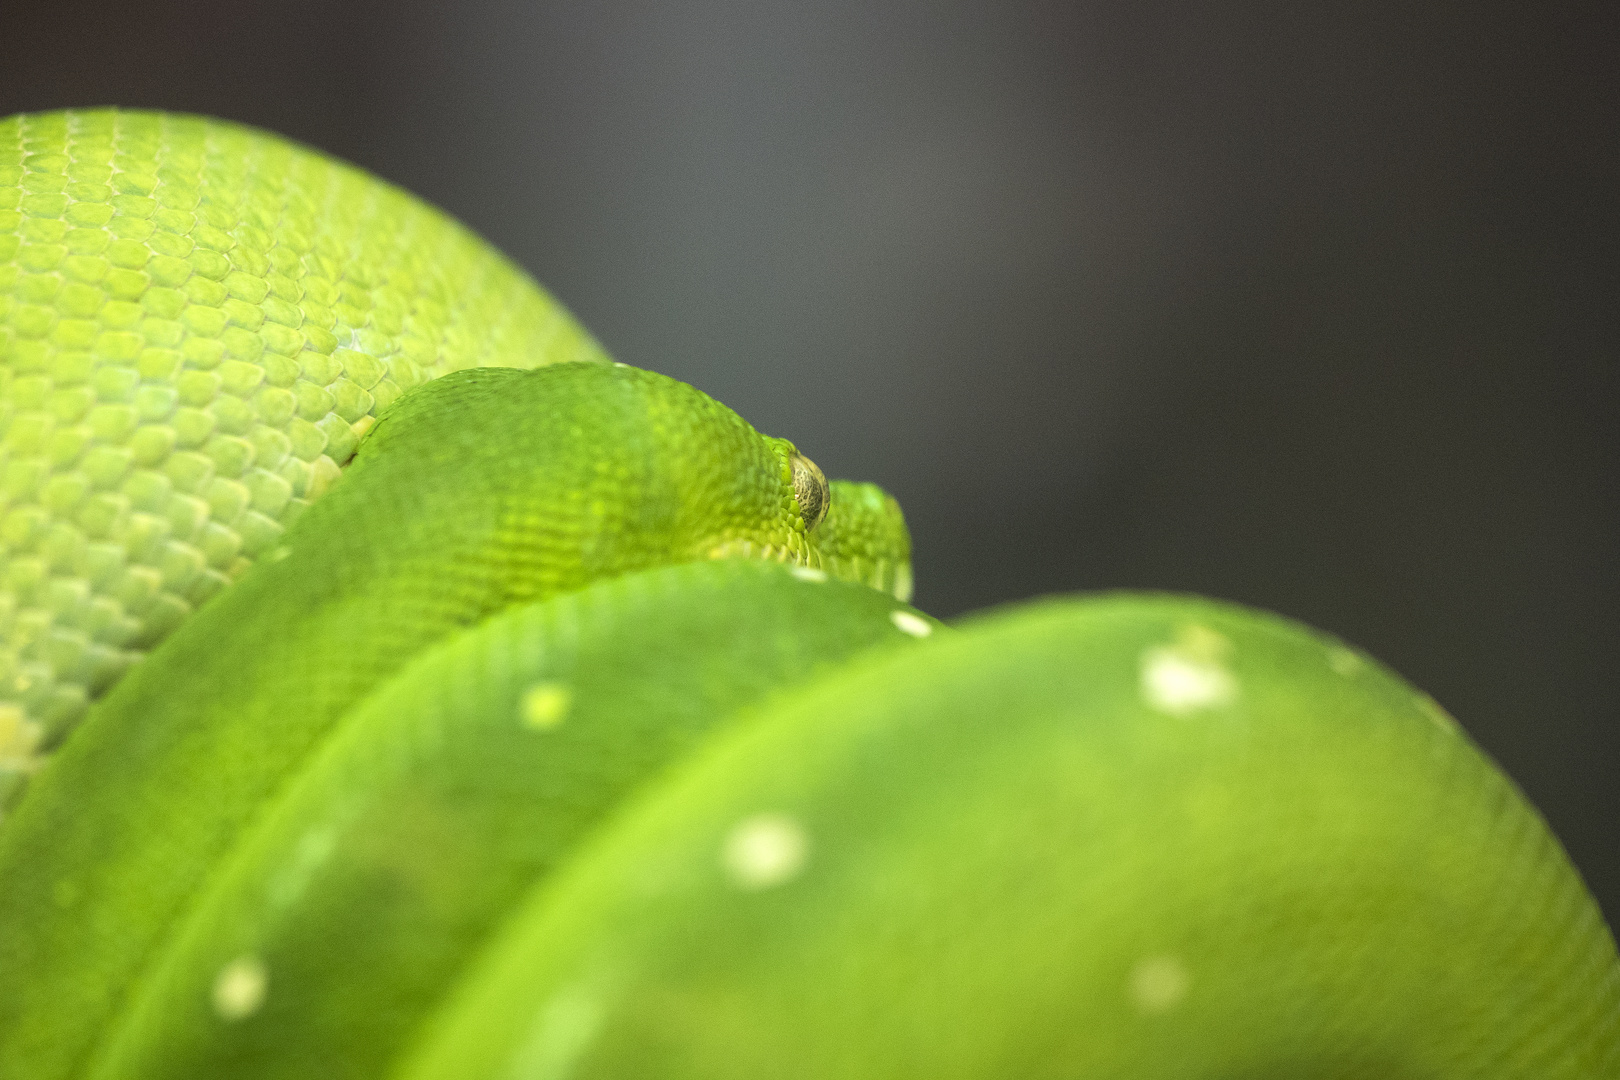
x=1133, y=836
x=439, y=803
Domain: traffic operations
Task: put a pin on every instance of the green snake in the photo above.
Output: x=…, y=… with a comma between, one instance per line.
x=393, y=686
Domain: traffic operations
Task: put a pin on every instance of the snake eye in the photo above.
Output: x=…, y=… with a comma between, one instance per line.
x=810, y=487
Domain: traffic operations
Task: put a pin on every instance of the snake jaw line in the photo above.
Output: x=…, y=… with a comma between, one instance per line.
x=889, y=576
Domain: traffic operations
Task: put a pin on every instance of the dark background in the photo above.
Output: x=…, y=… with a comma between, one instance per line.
x=1311, y=306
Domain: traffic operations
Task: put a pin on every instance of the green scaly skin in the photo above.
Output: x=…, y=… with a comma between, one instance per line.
x=522, y=758
x=1122, y=836
x=482, y=491
x=440, y=802
x=197, y=323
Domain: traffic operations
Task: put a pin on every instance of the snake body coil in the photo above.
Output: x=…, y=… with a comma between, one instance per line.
x=570, y=727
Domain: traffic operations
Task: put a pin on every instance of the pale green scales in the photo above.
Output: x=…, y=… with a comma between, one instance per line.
x=517, y=757
x=196, y=324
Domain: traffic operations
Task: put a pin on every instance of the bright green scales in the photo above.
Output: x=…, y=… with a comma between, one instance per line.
x=198, y=324
x=491, y=768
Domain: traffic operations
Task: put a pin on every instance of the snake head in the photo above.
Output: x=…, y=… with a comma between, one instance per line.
x=843, y=528
x=863, y=537
x=561, y=475
x=855, y=530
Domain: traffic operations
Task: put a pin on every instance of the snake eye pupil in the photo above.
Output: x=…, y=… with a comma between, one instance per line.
x=810, y=487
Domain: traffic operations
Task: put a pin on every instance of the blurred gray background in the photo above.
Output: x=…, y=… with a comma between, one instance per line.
x=1311, y=306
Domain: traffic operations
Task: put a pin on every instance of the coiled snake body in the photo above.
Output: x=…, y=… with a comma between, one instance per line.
x=570, y=727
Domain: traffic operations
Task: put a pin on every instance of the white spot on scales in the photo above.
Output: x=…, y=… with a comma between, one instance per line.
x=907, y=623
x=1158, y=984
x=240, y=988
x=1344, y=662
x=545, y=705
x=1189, y=674
x=764, y=850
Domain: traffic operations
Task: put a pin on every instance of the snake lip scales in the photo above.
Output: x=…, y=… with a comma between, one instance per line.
x=392, y=686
